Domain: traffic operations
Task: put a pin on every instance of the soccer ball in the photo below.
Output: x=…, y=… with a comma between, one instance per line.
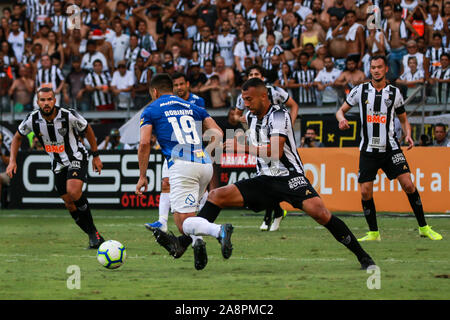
x=111, y=254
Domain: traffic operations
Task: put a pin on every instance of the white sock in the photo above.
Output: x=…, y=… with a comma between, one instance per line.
x=203, y=200
x=164, y=207
x=194, y=238
x=200, y=227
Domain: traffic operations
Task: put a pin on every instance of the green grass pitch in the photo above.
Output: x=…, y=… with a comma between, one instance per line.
x=300, y=261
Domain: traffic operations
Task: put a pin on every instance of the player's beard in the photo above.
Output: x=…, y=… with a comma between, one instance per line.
x=379, y=79
x=46, y=114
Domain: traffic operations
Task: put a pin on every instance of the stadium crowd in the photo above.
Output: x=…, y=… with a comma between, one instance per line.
x=100, y=54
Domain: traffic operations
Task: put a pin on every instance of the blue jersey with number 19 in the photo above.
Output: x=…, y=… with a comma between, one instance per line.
x=177, y=125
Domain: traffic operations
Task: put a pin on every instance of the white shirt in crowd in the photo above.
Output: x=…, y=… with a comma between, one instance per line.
x=17, y=43
x=120, y=45
x=325, y=77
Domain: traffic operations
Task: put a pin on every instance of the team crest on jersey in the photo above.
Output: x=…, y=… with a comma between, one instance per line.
x=62, y=131
x=388, y=102
x=190, y=199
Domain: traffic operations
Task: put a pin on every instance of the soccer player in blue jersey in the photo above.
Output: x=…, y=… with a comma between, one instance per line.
x=178, y=126
x=181, y=89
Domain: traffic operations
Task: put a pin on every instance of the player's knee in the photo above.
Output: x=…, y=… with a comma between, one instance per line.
x=215, y=197
x=322, y=216
x=165, y=185
x=74, y=193
x=409, y=187
x=366, y=193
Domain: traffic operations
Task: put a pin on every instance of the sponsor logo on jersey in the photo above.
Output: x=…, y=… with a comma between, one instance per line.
x=376, y=119
x=51, y=148
x=75, y=164
x=398, y=158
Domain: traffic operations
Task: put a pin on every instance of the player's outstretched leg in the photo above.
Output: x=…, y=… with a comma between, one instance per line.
x=416, y=205
x=278, y=215
x=317, y=210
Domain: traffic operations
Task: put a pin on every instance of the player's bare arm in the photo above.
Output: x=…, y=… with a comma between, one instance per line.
x=15, y=145
x=406, y=128
x=340, y=116
x=143, y=155
x=293, y=109
x=97, y=164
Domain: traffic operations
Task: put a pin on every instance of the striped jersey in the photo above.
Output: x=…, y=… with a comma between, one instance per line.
x=267, y=55
x=434, y=55
x=99, y=97
x=60, y=137
x=307, y=76
x=276, y=96
x=52, y=75
x=206, y=50
x=276, y=121
x=377, y=116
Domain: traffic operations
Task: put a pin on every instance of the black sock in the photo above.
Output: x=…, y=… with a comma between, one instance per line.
x=209, y=211
x=85, y=216
x=342, y=233
x=76, y=217
x=416, y=205
x=268, y=216
x=184, y=240
x=370, y=214
x=277, y=211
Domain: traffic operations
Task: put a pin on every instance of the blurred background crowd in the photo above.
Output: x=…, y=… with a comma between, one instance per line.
x=99, y=55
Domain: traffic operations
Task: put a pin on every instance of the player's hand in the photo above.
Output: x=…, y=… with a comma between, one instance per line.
x=11, y=169
x=97, y=164
x=343, y=124
x=141, y=183
x=410, y=142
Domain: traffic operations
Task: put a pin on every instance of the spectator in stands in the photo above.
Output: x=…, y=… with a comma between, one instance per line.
x=112, y=141
x=75, y=89
x=317, y=61
x=5, y=83
x=434, y=21
x=141, y=74
x=270, y=50
x=325, y=82
x=349, y=78
x=121, y=86
x=284, y=77
x=92, y=55
x=195, y=77
x=104, y=47
x=217, y=95
x=146, y=40
x=311, y=35
x=411, y=78
x=309, y=140
x=440, y=79
x=424, y=141
x=120, y=43
x=226, y=74
x=440, y=136
x=269, y=29
x=422, y=63
x=22, y=90
x=247, y=48
x=55, y=49
x=287, y=44
x=51, y=75
x=336, y=43
x=132, y=52
x=303, y=81
x=17, y=40
x=434, y=52
x=98, y=84
x=208, y=69
x=4, y=161
x=205, y=49
x=338, y=9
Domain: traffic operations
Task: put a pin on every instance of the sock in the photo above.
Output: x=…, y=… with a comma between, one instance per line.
x=185, y=240
x=76, y=217
x=209, y=211
x=203, y=200
x=268, y=216
x=370, y=214
x=277, y=211
x=194, y=238
x=84, y=214
x=342, y=233
x=164, y=207
x=416, y=205
x=200, y=227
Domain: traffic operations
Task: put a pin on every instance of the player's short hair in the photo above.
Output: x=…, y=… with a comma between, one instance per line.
x=45, y=89
x=379, y=56
x=178, y=75
x=253, y=83
x=162, y=82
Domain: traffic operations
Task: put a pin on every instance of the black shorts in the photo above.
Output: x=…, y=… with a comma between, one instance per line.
x=262, y=192
x=77, y=170
x=393, y=163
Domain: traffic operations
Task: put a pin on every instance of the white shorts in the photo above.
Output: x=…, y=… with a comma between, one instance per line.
x=165, y=169
x=188, y=181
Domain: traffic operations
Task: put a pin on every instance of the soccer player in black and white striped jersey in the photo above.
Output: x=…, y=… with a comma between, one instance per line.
x=59, y=131
x=378, y=104
x=281, y=175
